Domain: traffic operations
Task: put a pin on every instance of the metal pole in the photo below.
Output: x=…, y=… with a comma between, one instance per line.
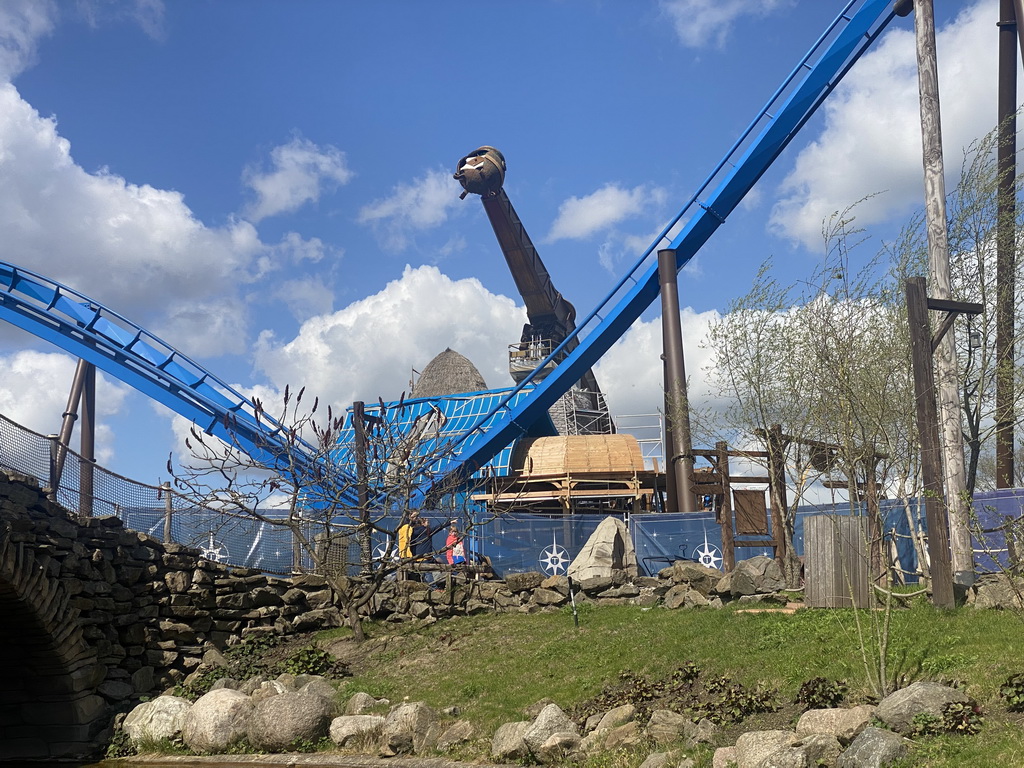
x=67, y=425
x=931, y=456
x=87, y=434
x=677, y=407
x=168, y=510
x=1006, y=256
x=938, y=277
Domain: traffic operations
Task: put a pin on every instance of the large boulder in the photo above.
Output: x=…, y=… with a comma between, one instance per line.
x=844, y=724
x=897, y=710
x=874, y=748
x=157, y=720
x=217, y=721
x=550, y=721
x=409, y=727
x=817, y=749
x=280, y=722
x=754, y=746
x=998, y=591
x=507, y=742
x=757, y=576
x=609, y=549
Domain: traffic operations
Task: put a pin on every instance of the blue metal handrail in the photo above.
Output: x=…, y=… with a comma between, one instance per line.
x=101, y=336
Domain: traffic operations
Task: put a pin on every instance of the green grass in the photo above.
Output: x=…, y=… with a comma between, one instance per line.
x=493, y=666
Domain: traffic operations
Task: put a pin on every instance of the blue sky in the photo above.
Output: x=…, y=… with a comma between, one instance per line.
x=267, y=185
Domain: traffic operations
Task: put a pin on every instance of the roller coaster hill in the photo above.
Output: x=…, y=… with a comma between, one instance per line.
x=497, y=435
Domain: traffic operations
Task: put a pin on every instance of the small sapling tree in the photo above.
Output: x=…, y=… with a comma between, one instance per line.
x=341, y=483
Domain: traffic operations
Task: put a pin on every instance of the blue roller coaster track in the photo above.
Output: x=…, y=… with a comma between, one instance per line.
x=99, y=335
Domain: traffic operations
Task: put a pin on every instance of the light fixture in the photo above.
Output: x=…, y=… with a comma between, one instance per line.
x=974, y=339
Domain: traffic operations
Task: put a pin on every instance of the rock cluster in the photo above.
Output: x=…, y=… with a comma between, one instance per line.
x=290, y=712
x=682, y=585
x=843, y=738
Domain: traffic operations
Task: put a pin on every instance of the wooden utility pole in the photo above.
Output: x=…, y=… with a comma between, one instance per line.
x=1006, y=256
x=938, y=277
x=931, y=454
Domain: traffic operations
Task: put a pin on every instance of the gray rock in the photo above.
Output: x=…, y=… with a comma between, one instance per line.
x=320, y=687
x=754, y=746
x=551, y=720
x=844, y=724
x=758, y=575
x=217, y=721
x=410, y=724
x=724, y=757
x=360, y=703
x=874, y=748
x=667, y=727
x=156, y=720
x=508, y=744
x=627, y=735
x=613, y=718
x=659, y=760
x=696, y=576
x=356, y=730
x=457, y=733
x=557, y=746
x=997, y=591
x=280, y=722
x=819, y=749
x=897, y=710
x=523, y=582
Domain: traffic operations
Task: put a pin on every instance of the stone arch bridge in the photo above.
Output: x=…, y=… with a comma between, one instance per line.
x=94, y=616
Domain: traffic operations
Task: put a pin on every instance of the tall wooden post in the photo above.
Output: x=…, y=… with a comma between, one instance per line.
x=362, y=492
x=928, y=428
x=778, y=498
x=725, y=508
x=938, y=273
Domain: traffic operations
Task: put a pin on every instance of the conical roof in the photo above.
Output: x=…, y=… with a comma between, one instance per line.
x=448, y=374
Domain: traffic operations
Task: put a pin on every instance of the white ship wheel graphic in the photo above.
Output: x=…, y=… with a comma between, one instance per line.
x=554, y=559
x=708, y=554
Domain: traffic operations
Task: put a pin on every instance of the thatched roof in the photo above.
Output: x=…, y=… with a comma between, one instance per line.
x=448, y=374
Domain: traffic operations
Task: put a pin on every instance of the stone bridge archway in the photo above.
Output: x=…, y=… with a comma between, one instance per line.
x=94, y=616
x=48, y=704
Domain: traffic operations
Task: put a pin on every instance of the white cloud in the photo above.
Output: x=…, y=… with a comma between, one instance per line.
x=423, y=204
x=369, y=348
x=306, y=297
x=34, y=388
x=872, y=137
x=22, y=24
x=137, y=249
x=631, y=373
x=707, y=23
x=581, y=217
x=300, y=171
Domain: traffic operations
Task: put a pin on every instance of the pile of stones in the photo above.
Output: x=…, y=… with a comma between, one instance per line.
x=296, y=711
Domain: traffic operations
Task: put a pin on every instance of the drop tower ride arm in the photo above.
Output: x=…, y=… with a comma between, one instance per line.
x=551, y=316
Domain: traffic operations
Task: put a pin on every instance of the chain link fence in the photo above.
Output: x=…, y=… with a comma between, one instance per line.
x=89, y=490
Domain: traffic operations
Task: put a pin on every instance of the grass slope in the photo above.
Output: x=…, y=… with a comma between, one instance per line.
x=493, y=666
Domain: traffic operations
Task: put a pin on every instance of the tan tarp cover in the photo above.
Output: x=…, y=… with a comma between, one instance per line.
x=609, y=548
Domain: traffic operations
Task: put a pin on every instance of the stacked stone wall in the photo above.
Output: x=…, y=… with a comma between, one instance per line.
x=94, y=616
